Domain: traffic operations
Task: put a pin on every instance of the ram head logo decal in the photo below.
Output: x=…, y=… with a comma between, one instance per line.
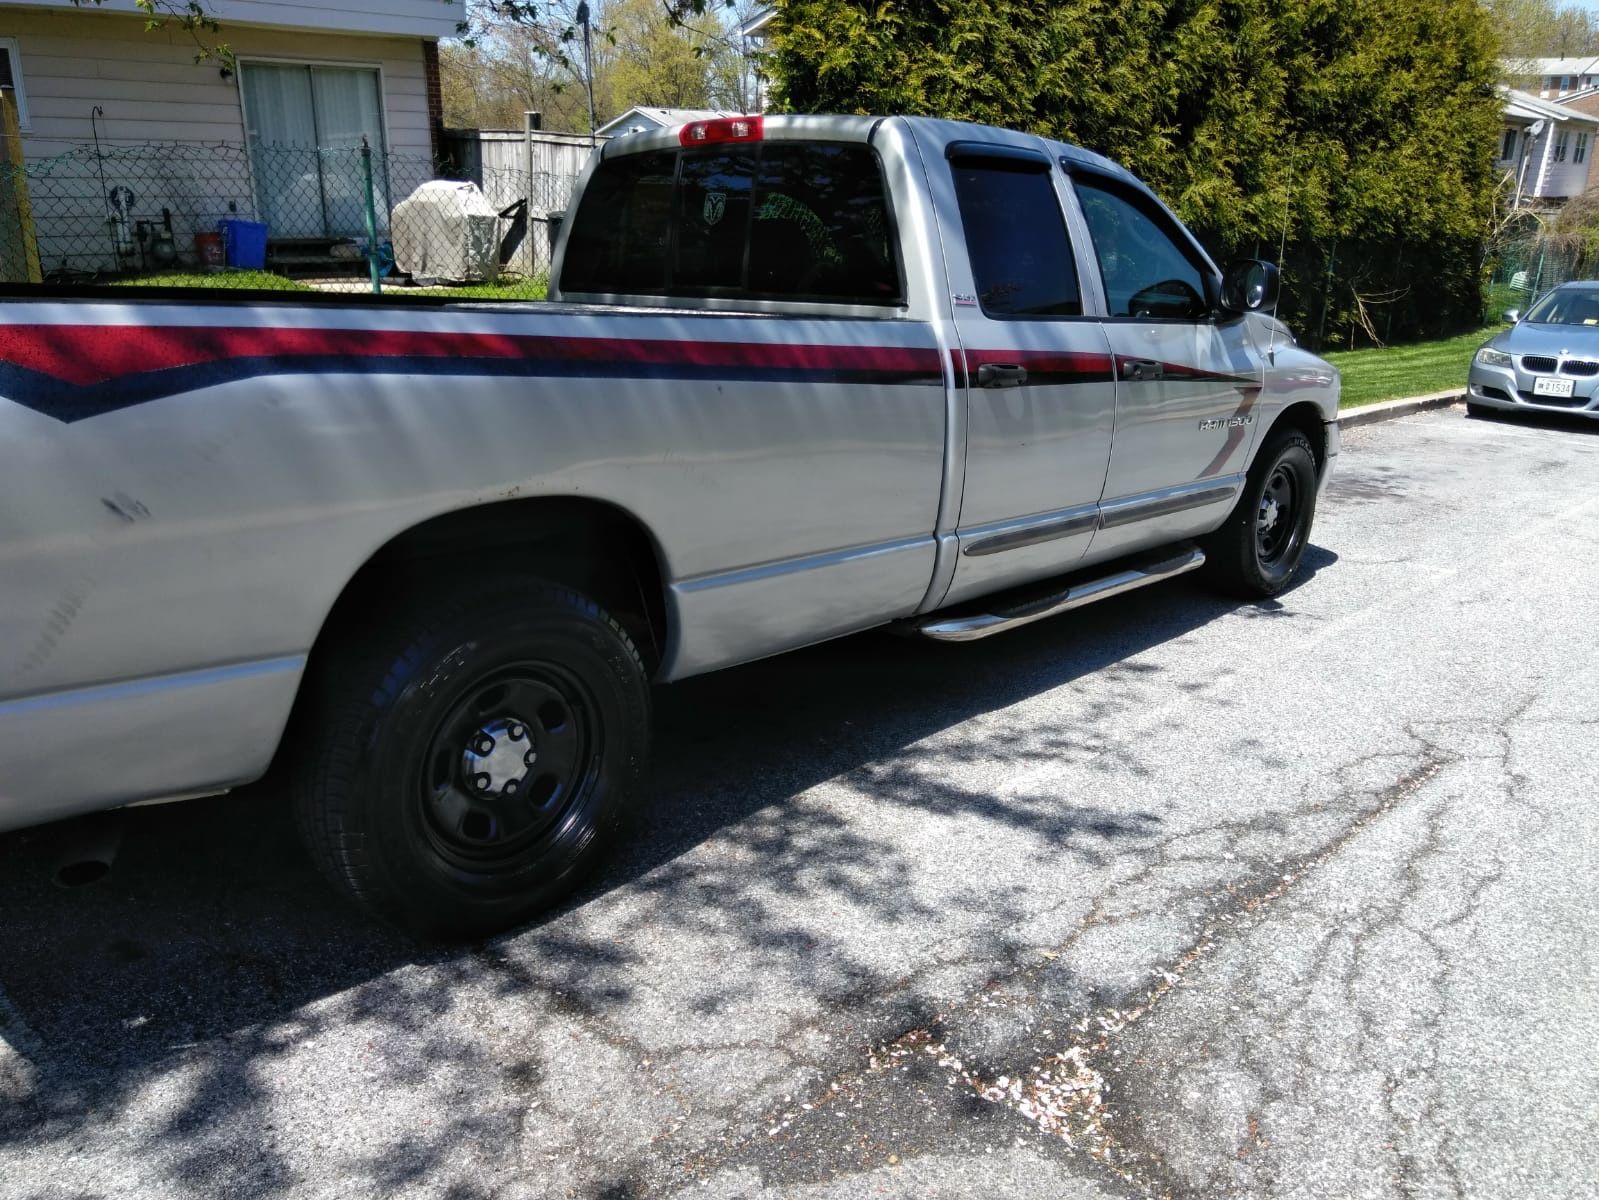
x=715, y=207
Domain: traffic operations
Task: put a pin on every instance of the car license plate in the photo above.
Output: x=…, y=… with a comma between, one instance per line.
x=1552, y=387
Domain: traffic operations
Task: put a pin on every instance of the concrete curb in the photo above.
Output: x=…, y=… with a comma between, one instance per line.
x=1369, y=414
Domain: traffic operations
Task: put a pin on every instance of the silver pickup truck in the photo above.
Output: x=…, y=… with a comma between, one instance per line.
x=799, y=377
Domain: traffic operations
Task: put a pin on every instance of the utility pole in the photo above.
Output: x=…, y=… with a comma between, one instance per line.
x=588, y=66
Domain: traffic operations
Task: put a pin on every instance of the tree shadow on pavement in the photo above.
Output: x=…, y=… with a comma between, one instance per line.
x=212, y=953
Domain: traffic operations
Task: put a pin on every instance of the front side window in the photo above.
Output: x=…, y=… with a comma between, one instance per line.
x=1016, y=236
x=1580, y=152
x=1507, y=149
x=775, y=220
x=1147, y=275
x=1562, y=143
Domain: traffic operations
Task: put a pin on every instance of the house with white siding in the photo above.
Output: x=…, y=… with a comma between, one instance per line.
x=1547, y=149
x=647, y=117
x=1556, y=78
x=270, y=135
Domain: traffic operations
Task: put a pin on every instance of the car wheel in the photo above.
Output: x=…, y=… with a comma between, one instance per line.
x=474, y=756
x=1258, y=552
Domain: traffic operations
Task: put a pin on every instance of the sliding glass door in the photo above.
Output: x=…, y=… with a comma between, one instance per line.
x=304, y=125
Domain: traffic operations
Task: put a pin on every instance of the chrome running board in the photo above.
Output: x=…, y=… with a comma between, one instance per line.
x=944, y=627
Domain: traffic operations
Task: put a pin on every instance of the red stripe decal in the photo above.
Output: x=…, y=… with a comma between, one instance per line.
x=90, y=354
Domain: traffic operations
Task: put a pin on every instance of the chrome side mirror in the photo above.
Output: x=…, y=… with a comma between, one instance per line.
x=1250, y=285
x=1512, y=315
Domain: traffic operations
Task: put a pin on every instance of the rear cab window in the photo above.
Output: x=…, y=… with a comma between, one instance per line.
x=807, y=221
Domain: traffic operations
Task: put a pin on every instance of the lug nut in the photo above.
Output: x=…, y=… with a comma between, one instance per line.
x=515, y=732
x=484, y=745
x=510, y=788
x=481, y=782
x=529, y=758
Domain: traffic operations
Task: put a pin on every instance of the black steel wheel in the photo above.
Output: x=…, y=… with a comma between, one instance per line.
x=1277, y=529
x=1258, y=551
x=475, y=756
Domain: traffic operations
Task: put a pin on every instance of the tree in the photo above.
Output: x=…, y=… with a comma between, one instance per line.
x=643, y=54
x=1358, y=134
x=1530, y=29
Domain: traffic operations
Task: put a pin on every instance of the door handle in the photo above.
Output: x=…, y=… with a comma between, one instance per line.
x=1001, y=375
x=1142, y=368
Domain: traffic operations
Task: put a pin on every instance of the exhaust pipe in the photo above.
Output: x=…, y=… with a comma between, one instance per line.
x=91, y=847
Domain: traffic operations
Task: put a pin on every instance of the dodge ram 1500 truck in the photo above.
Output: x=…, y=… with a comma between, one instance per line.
x=798, y=377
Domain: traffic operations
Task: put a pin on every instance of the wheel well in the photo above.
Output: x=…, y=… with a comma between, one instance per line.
x=595, y=547
x=1306, y=418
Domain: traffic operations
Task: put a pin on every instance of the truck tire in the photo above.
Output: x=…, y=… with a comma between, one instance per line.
x=474, y=756
x=1258, y=552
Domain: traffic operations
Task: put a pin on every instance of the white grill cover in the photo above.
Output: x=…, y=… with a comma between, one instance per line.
x=447, y=229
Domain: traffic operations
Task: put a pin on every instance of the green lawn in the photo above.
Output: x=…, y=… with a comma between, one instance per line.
x=522, y=289
x=215, y=279
x=1395, y=371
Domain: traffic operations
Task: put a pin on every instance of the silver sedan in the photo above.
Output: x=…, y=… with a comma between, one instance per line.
x=1548, y=359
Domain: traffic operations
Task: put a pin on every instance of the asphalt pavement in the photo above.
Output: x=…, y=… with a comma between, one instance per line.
x=1169, y=896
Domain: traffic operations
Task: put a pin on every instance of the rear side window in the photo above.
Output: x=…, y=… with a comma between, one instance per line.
x=1016, y=237
x=774, y=220
x=1147, y=275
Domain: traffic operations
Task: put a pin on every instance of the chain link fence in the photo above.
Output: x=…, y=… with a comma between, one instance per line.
x=1530, y=264
x=351, y=219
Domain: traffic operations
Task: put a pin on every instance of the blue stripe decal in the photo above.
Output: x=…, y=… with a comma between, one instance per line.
x=69, y=402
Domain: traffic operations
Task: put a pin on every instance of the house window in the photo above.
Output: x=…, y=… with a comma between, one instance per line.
x=1507, y=148
x=305, y=124
x=1580, y=153
x=1565, y=84
x=1562, y=142
x=11, y=76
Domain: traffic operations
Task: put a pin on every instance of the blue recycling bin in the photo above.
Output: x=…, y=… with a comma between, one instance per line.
x=244, y=243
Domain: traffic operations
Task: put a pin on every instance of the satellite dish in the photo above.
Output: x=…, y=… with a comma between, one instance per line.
x=1536, y=128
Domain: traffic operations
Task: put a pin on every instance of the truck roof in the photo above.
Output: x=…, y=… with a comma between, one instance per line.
x=847, y=128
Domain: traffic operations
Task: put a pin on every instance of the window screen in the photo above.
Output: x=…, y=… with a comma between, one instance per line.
x=1016, y=237
x=1146, y=274
x=796, y=220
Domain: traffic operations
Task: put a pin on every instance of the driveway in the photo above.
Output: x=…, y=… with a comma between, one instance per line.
x=1173, y=896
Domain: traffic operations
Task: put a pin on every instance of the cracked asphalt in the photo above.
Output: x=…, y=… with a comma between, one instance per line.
x=1169, y=897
